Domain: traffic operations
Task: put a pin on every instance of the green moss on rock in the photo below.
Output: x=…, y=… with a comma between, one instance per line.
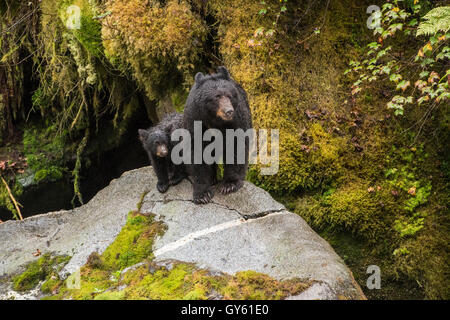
x=354, y=207
x=45, y=268
x=134, y=242
x=183, y=281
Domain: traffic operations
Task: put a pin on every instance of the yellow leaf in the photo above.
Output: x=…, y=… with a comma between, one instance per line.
x=427, y=47
x=396, y=9
x=420, y=53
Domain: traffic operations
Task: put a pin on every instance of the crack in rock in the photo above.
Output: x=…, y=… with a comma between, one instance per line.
x=243, y=215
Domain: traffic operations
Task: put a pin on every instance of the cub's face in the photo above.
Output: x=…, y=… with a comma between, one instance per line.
x=155, y=143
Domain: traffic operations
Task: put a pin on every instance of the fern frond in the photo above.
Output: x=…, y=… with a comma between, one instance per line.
x=435, y=20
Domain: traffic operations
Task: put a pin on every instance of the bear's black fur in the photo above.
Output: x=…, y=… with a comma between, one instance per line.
x=221, y=103
x=158, y=145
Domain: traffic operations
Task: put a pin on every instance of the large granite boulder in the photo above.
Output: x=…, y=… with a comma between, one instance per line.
x=247, y=230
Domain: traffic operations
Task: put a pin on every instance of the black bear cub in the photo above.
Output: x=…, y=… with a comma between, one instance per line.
x=157, y=143
x=221, y=103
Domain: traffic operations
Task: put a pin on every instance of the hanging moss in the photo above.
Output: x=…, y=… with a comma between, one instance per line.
x=159, y=44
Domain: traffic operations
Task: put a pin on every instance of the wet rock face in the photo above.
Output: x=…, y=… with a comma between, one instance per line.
x=247, y=230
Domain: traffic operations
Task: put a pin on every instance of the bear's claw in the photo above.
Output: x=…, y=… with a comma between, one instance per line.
x=204, y=198
x=230, y=187
x=162, y=187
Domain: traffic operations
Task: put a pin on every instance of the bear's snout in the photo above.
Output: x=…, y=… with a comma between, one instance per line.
x=161, y=151
x=225, y=110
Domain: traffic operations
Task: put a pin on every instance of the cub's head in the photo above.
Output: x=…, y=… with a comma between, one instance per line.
x=155, y=142
x=217, y=94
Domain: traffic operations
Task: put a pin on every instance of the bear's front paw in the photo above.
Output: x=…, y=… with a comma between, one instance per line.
x=230, y=187
x=162, y=186
x=204, y=197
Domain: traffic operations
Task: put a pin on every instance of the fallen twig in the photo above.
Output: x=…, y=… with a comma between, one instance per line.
x=16, y=204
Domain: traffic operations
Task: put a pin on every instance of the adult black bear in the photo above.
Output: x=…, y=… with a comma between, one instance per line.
x=156, y=141
x=218, y=102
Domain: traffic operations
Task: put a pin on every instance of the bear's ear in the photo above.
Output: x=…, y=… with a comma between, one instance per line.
x=224, y=72
x=199, y=77
x=143, y=134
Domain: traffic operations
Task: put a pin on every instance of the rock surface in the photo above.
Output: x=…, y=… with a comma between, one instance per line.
x=247, y=230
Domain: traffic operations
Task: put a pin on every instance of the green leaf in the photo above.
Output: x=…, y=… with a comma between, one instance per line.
x=386, y=70
x=424, y=74
x=413, y=22
x=443, y=96
x=395, y=77
x=386, y=6
x=398, y=108
x=373, y=45
x=270, y=32
x=403, y=85
x=410, y=99
x=397, y=26
x=381, y=54
x=378, y=30
x=444, y=54
x=259, y=31
x=437, y=19
x=385, y=34
x=423, y=99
